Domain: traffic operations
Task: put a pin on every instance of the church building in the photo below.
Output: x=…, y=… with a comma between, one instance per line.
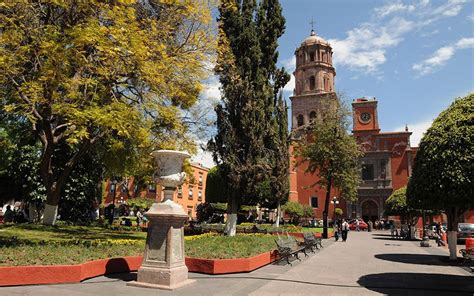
x=386, y=164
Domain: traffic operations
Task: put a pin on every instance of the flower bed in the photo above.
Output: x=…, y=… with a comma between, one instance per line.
x=44, y=274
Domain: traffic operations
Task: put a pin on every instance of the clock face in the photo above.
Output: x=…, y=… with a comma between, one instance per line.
x=365, y=117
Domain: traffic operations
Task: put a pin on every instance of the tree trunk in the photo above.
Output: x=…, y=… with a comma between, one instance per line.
x=50, y=214
x=277, y=223
x=54, y=185
x=232, y=210
x=326, y=207
x=453, y=219
x=33, y=216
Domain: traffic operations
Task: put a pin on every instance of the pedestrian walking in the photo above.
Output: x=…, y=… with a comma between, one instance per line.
x=344, y=229
x=357, y=225
x=336, y=231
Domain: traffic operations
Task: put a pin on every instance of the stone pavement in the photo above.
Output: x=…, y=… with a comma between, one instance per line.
x=367, y=264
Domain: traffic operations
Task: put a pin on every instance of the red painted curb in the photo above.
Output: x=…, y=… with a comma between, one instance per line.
x=222, y=266
x=57, y=274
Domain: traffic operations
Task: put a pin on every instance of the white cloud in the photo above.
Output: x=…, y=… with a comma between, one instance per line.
x=465, y=43
x=365, y=47
x=418, y=129
x=471, y=17
x=388, y=9
x=211, y=89
x=441, y=56
x=451, y=8
x=203, y=157
x=290, y=65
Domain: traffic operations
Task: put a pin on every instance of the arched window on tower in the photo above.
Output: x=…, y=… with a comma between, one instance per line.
x=312, y=83
x=325, y=83
x=312, y=116
x=311, y=56
x=300, y=120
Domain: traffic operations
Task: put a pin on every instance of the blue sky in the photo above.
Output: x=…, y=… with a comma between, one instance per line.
x=415, y=57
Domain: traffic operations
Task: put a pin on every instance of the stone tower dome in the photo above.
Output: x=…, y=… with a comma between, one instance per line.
x=314, y=71
x=314, y=79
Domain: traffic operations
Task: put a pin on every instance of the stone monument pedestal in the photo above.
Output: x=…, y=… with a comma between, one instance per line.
x=163, y=264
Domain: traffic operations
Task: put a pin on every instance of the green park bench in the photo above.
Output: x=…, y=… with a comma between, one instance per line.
x=288, y=247
x=467, y=254
x=311, y=242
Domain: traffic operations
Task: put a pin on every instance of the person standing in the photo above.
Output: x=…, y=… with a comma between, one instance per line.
x=344, y=229
x=9, y=215
x=336, y=231
x=357, y=225
x=139, y=217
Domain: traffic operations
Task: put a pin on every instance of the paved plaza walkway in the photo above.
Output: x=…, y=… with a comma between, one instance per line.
x=367, y=264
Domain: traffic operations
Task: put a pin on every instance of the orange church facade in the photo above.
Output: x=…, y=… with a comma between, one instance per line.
x=386, y=164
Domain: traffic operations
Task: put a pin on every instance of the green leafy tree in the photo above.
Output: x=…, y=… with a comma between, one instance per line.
x=246, y=65
x=294, y=209
x=119, y=72
x=331, y=152
x=307, y=211
x=216, y=186
x=140, y=202
x=396, y=204
x=338, y=211
x=280, y=158
x=442, y=177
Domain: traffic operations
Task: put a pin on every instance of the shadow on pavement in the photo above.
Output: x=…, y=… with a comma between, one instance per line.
x=389, y=238
x=424, y=259
x=418, y=284
x=381, y=234
x=117, y=268
x=124, y=276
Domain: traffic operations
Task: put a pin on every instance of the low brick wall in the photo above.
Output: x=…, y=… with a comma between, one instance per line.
x=57, y=274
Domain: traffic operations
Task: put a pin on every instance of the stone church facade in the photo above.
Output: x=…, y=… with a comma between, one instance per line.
x=386, y=164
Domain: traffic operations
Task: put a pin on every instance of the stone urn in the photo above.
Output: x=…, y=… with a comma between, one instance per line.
x=163, y=264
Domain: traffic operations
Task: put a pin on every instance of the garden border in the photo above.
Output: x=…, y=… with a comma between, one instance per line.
x=60, y=274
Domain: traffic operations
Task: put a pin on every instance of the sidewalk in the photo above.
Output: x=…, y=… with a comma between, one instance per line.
x=367, y=264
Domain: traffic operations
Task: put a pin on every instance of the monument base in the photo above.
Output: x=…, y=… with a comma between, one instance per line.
x=162, y=277
x=162, y=287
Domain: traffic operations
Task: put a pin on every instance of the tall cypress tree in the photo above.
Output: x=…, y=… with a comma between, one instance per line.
x=244, y=145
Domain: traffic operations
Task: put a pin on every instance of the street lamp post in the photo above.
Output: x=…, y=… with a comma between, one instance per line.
x=113, y=186
x=335, y=202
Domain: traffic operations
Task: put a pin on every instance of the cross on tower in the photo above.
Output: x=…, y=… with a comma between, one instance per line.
x=312, y=22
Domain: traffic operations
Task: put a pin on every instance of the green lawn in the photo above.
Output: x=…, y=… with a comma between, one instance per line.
x=29, y=244
x=223, y=247
x=36, y=233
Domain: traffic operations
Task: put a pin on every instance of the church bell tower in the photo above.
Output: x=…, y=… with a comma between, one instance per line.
x=314, y=79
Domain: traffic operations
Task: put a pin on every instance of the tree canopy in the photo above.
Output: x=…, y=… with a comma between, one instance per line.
x=330, y=152
x=217, y=190
x=118, y=72
x=396, y=203
x=250, y=81
x=442, y=177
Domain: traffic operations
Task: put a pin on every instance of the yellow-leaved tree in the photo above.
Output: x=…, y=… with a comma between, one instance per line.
x=115, y=72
